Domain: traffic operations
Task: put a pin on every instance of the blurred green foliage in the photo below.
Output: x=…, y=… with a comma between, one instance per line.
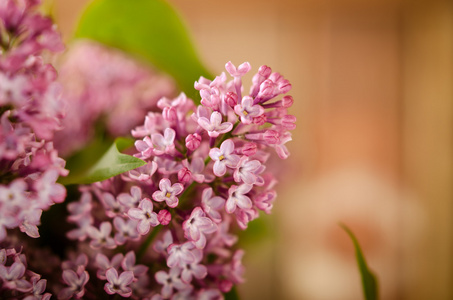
x=149, y=29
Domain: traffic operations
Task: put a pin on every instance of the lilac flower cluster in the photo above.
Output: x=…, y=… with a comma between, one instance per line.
x=30, y=113
x=164, y=230
x=104, y=84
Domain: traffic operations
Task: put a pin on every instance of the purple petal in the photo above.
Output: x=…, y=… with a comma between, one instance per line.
x=164, y=184
x=227, y=147
x=70, y=277
x=126, y=278
x=112, y=275
x=161, y=277
x=199, y=271
x=205, y=124
x=219, y=168
x=143, y=227
x=177, y=188
x=136, y=214
x=172, y=202
x=146, y=205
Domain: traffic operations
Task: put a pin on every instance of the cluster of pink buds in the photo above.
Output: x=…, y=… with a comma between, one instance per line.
x=164, y=230
x=30, y=113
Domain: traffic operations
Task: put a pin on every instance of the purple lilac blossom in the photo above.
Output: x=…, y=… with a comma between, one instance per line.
x=205, y=177
x=31, y=112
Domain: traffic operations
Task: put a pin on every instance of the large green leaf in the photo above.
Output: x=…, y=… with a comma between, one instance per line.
x=150, y=29
x=369, y=281
x=112, y=163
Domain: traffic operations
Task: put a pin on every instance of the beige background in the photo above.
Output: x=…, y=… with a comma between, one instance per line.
x=372, y=82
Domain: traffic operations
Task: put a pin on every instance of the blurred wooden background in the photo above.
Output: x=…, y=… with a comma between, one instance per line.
x=373, y=84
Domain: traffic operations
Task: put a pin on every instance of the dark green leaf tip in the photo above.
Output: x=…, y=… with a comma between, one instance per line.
x=369, y=281
x=112, y=163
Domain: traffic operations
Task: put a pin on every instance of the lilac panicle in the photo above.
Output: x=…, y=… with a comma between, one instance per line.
x=31, y=111
x=174, y=218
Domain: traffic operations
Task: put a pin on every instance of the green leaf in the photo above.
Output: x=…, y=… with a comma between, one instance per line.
x=369, y=281
x=112, y=163
x=149, y=29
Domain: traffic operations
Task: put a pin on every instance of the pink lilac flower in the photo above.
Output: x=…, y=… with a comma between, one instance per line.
x=76, y=284
x=144, y=173
x=145, y=147
x=212, y=204
x=247, y=110
x=39, y=287
x=264, y=201
x=13, y=277
x=101, y=237
x=163, y=143
x=128, y=264
x=196, y=169
x=194, y=269
x=222, y=175
x=214, y=126
x=224, y=157
x=247, y=171
x=168, y=192
x=132, y=199
x=103, y=264
x=80, y=208
x=244, y=216
x=125, y=230
x=237, y=198
x=112, y=206
x=196, y=226
x=160, y=246
x=118, y=284
x=30, y=113
x=170, y=281
x=145, y=215
x=179, y=255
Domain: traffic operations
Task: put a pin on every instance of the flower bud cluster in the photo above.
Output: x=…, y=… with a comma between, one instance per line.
x=205, y=174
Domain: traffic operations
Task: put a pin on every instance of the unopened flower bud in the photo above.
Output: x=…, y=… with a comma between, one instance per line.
x=287, y=101
x=193, y=141
x=231, y=99
x=184, y=175
x=169, y=114
x=260, y=120
x=249, y=149
x=264, y=71
x=164, y=217
x=266, y=88
x=271, y=137
x=284, y=86
x=289, y=121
